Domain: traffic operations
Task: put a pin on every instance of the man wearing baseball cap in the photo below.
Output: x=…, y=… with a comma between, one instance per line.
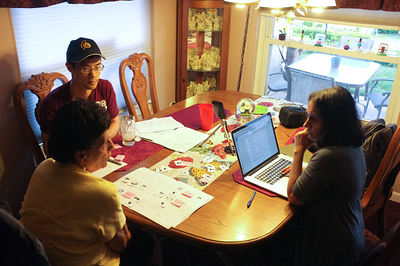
x=84, y=62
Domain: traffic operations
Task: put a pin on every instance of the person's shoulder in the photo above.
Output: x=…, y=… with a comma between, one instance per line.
x=58, y=93
x=104, y=83
x=329, y=152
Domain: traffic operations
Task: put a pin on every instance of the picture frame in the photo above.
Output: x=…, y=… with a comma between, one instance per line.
x=383, y=48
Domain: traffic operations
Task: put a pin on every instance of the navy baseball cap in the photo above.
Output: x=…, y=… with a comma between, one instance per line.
x=81, y=49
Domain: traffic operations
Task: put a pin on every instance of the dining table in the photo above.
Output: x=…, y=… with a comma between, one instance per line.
x=224, y=223
x=347, y=72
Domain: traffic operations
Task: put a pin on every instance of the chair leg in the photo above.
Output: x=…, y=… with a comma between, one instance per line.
x=224, y=257
x=379, y=108
x=366, y=108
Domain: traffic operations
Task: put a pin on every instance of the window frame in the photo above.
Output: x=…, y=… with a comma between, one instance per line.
x=265, y=33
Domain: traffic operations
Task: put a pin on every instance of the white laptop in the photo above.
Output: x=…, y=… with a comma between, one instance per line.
x=258, y=155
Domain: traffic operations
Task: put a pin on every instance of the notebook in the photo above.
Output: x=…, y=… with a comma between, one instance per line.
x=259, y=157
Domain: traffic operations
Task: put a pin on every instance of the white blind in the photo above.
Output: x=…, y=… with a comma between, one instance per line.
x=43, y=34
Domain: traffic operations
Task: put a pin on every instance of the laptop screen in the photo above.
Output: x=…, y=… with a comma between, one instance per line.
x=255, y=143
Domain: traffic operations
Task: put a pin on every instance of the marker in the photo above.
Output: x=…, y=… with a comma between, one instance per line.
x=251, y=200
x=114, y=161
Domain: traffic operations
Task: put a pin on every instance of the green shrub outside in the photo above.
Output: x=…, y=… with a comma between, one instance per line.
x=331, y=35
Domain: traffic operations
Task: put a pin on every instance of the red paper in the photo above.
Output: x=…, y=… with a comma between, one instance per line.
x=237, y=176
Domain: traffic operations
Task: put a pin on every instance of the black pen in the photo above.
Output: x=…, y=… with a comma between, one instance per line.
x=251, y=200
x=114, y=161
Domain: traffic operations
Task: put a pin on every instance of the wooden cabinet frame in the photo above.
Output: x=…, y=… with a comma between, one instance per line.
x=182, y=44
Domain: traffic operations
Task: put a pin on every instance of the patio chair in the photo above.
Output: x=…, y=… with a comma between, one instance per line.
x=301, y=84
x=139, y=85
x=278, y=79
x=378, y=99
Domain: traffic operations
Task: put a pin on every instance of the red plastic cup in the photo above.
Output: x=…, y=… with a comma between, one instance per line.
x=206, y=115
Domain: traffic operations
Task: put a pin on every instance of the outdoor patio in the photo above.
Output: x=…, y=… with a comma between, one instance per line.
x=369, y=115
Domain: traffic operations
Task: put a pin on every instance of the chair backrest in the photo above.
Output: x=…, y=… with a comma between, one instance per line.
x=367, y=44
x=301, y=84
x=381, y=186
x=40, y=85
x=392, y=241
x=139, y=85
x=381, y=252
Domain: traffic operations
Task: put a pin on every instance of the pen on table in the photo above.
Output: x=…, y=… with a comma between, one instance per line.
x=111, y=160
x=251, y=200
x=215, y=130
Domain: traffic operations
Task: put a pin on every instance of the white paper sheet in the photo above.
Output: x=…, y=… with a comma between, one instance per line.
x=160, y=198
x=111, y=167
x=181, y=139
x=157, y=124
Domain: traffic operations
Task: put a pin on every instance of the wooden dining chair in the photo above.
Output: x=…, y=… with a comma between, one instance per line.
x=382, y=251
x=40, y=85
x=377, y=195
x=139, y=85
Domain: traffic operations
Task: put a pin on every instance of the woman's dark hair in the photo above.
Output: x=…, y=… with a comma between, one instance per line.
x=76, y=127
x=340, y=123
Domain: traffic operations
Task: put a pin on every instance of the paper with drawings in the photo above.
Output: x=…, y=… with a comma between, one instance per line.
x=164, y=200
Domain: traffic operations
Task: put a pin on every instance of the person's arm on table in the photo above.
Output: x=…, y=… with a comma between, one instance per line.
x=120, y=241
x=114, y=127
x=302, y=142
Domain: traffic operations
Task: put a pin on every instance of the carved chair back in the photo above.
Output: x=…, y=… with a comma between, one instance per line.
x=139, y=85
x=40, y=85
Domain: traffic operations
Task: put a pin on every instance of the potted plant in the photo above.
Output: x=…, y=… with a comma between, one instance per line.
x=347, y=45
x=282, y=35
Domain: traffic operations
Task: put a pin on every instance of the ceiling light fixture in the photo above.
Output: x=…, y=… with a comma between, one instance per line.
x=286, y=7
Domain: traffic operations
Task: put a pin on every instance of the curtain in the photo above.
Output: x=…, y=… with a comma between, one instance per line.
x=385, y=5
x=44, y=3
x=391, y=5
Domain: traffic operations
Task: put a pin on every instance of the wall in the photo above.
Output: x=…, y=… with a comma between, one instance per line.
x=165, y=50
x=16, y=162
x=237, y=33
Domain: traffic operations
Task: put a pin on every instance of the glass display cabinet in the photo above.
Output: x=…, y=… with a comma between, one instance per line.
x=202, y=47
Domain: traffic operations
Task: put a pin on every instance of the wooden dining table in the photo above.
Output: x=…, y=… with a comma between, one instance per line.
x=225, y=223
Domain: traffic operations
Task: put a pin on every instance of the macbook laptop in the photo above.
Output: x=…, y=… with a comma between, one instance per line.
x=259, y=157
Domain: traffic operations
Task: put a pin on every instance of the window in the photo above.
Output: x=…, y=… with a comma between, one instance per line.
x=43, y=35
x=313, y=57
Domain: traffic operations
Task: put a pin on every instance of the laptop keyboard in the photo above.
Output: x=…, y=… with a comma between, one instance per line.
x=273, y=174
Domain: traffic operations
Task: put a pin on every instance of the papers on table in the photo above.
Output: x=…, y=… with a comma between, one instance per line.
x=169, y=133
x=157, y=125
x=111, y=167
x=160, y=198
x=181, y=139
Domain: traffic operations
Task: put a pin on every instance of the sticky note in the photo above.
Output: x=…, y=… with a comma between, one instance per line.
x=188, y=194
x=178, y=203
x=119, y=157
x=128, y=194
